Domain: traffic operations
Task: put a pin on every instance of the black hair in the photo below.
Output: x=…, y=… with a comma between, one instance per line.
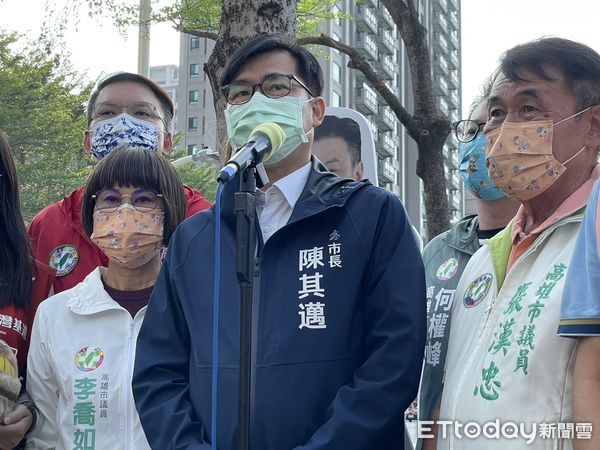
x=135, y=167
x=166, y=104
x=344, y=128
x=579, y=64
x=16, y=259
x=309, y=69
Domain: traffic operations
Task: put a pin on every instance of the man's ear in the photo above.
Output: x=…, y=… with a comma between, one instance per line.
x=592, y=138
x=167, y=147
x=318, y=111
x=87, y=141
x=359, y=171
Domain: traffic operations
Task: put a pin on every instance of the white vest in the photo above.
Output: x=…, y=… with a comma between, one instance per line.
x=505, y=360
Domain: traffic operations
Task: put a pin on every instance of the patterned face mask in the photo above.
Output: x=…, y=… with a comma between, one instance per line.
x=473, y=171
x=128, y=237
x=520, y=160
x=123, y=131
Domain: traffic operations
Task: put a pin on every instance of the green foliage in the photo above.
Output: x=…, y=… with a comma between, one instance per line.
x=201, y=178
x=43, y=115
x=204, y=15
x=312, y=13
x=190, y=15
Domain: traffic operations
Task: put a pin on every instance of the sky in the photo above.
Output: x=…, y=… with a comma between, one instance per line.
x=488, y=29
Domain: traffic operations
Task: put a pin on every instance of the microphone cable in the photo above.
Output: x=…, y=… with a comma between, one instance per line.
x=216, y=302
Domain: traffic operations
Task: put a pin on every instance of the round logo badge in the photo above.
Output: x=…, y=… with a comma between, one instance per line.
x=88, y=359
x=447, y=269
x=63, y=258
x=477, y=290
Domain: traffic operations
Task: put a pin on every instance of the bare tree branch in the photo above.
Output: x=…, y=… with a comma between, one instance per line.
x=359, y=62
x=200, y=33
x=414, y=36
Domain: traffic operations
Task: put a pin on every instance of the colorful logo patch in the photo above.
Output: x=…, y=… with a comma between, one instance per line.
x=477, y=290
x=63, y=258
x=88, y=358
x=447, y=269
x=334, y=236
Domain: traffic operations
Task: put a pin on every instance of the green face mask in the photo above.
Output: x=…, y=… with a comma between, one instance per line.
x=285, y=112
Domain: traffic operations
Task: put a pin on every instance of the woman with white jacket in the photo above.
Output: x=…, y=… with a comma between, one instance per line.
x=83, y=340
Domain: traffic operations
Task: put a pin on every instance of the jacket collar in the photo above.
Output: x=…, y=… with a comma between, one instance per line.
x=89, y=296
x=322, y=190
x=463, y=235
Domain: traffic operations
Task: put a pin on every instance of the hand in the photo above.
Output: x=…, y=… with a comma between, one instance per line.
x=16, y=424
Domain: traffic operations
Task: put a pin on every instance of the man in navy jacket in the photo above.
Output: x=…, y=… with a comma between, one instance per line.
x=339, y=303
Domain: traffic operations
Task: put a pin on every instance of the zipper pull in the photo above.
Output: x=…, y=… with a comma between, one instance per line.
x=257, y=266
x=488, y=309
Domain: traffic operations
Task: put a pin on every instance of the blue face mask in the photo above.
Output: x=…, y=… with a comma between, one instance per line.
x=474, y=171
x=123, y=131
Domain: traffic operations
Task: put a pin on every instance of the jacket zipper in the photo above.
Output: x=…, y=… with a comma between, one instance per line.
x=127, y=389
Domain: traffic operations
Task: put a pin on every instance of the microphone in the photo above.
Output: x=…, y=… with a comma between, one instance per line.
x=264, y=139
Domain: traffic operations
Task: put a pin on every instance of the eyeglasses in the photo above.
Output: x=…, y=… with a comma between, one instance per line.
x=109, y=200
x=273, y=86
x=141, y=110
x=467, y=130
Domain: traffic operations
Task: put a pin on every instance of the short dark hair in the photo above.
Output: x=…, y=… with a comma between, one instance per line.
x=344, y=128
x=309, y=69
x=133, y=167
x=16, y=260
x=579, y=64
x=166, y=104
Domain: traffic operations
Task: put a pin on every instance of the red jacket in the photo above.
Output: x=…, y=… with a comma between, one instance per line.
x=16, y=323
x=58, y=238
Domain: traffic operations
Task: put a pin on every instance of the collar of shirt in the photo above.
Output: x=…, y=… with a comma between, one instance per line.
x=572, y=204
x=274, y=206
x=290, y=187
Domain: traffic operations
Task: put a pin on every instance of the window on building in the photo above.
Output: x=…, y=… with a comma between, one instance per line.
x=336, y=72
x=194, y=42
x=193, y=96
x=338, y=13
x=192, y=124
x=192, y=149
x=194, y=70
x=336, y=99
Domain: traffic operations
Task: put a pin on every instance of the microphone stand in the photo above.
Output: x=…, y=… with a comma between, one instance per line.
x=245, y=213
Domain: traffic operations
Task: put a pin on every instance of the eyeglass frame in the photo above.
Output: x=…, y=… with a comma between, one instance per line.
x=289, y=76
x=156, y=111
x=480, y=126
x=95, y=197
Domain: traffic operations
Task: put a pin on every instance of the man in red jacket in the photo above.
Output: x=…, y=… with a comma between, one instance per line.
x=125, y=109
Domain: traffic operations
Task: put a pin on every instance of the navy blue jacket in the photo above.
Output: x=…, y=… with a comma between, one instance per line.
x=340, y=380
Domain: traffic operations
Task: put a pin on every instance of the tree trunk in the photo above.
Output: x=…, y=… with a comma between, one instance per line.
x=241, y=20
x=430, y=169
x=432, y=129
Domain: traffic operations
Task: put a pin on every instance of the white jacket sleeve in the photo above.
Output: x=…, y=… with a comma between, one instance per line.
x=42, y=386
